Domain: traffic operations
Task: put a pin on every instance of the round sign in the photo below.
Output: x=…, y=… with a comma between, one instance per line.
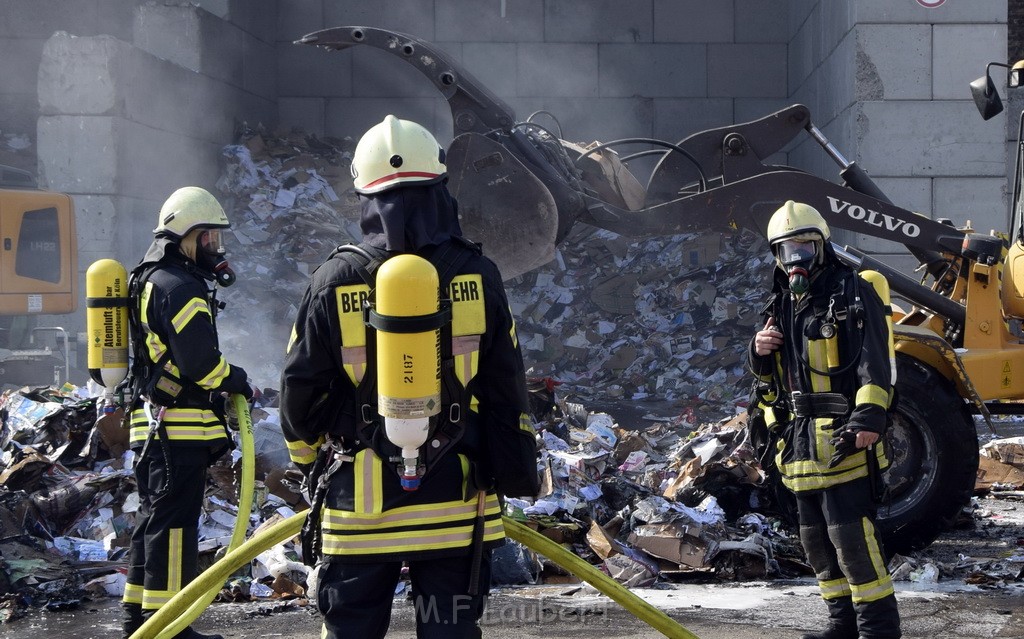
x=930, y=4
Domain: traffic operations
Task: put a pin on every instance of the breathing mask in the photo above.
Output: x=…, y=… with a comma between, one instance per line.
x=797, y=257
x=210, y=254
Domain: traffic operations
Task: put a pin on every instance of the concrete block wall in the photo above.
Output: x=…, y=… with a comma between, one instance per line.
x=123, y=125
x=903, y=109
x=606, y=69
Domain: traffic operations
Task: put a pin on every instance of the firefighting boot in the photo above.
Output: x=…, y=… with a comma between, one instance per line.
x=842, y=621
x=879, y=619
x=131, y=619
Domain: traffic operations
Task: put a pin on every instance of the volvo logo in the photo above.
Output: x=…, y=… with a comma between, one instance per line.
x=874, y=218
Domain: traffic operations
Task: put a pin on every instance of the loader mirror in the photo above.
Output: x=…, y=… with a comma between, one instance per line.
x=1017, y=74
x=986, y=98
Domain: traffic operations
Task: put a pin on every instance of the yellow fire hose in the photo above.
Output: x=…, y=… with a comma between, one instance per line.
x=215, y=575
x=201, y=600
x=617, y=592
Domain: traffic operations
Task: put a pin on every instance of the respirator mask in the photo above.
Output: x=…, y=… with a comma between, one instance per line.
x=797, y=256
x=210, y=254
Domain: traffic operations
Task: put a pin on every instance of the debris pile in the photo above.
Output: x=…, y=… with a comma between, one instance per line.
x=662, y=322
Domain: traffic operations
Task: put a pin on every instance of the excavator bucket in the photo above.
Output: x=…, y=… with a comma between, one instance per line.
x=502, y=204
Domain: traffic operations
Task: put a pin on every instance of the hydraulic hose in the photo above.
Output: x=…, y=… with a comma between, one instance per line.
x=617, y=592
x=246, y=484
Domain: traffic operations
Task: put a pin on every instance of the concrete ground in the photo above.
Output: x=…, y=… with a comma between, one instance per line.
x=752, y=610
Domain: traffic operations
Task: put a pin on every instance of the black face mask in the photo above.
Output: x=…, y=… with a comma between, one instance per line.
x=216, y=263
x=797, y=259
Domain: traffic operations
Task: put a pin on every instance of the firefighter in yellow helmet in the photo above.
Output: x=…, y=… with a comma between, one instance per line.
x=178, y=375
x=369, y=514
x=825, y=361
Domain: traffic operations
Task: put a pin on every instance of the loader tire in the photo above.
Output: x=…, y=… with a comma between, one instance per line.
x=932, y=447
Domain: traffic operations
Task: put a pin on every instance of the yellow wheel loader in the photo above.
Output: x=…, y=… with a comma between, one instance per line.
x=956, y=355
x=38, y=276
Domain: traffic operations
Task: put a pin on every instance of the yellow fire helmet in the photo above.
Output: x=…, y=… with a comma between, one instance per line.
x=396, y=152
x=188, y=208
x=798, y=221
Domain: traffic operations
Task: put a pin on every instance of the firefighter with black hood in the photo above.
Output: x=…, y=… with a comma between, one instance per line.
x=826, y=364
x=431, y=502
x=179, y=377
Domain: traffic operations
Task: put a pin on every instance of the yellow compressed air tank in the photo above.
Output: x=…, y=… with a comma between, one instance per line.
x=881, y=286
x=408, y=355
x=106, y=320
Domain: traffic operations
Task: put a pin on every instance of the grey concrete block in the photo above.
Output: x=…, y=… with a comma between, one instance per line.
x=113, y=17
x=38, y=19
x=676, y=119
x=219, y=8
x=799, y=11
x=982, y=201
x=837, y=79
x=98, y=224
x=351, y=117
x=475, y=21
x=171, y=32
x=494, y=64
x=19, y=64
x=887, y=11
x=18, y=113
x=412, y=17
x=308, y=114
x=304, y=70
x=804, y=50
x=80, y=75
x=894, y=62
x=259, y=67
x=653, y=70
x=78, y=154
x=296, y=18
x=256, y=17
x=693, y=21
x=960, y=53
x=222, y=49
x=379, y=74
x=945, y=138
x=557, y=70
x=154, y=163
x=598, y=21
x=602, y=119
x=757, y=21
x=747, y=70
x=837, y=21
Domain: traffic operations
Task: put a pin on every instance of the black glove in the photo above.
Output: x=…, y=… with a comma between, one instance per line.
x=845, y=442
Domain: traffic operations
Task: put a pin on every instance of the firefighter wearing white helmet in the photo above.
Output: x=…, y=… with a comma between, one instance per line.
x=396, y=152
x=402, y=477
x=826, y=364
x=178, y=379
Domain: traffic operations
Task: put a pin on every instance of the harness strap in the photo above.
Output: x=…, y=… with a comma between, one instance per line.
x=819, y=404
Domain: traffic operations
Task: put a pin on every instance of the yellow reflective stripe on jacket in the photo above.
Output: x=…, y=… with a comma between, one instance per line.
x=817, y=357
x=871, y=394
x=302, y=453
x=410, y=528
x=881, y=587
x=834, y=588
x=182, y=424
x=217, y=376
x=155, y=347
x=353, y=332
x=195, y=306
x=369, y=492
x=417, y=540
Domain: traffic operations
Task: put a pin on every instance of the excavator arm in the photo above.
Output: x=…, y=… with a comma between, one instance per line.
x=521, y=188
